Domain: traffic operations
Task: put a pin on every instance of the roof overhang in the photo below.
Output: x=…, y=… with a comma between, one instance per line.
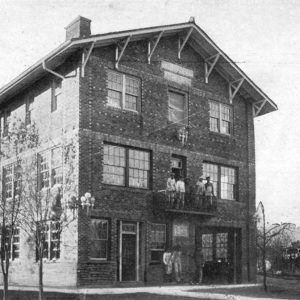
x=198, y=40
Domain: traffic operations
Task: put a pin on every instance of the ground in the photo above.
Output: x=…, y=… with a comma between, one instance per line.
x=279, y=288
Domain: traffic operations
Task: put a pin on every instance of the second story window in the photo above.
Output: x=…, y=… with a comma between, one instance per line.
x=123, y=91
x=219, y=117
x=223, y=179
x=50, y=168
x=12, y=181
x=29, y=108
x=126, y=167
x=55, y=94
x=13, y=246
x=177, y=108
x=5, y=120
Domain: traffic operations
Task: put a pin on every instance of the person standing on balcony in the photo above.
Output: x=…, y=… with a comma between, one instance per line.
x=200, y=192
x=209, y=191
x=171, y=189
x=180, y=189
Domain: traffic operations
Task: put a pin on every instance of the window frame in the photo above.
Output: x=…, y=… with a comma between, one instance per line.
x=5, y=121
x=124, y=92
x=29, y=102
x=184, y=121
x=48, y=154
x=220, y=119
x=56, y=92
x=15, y=179
x=127, y=167
x=108, y=232
x=12, y=250
x=218, y=193
x=155, y=249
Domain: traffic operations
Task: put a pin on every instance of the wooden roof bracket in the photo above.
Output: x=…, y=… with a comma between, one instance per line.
x=209, y=64
x=234, y=87
x=150, y=51
x=51, y=71
x=258, y=106
x=119, y=56
x=181, y=46
x=85, y=58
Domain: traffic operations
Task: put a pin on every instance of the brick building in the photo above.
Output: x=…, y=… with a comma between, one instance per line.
x=140, y=104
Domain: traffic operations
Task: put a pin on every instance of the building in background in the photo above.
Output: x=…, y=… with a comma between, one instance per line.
x=140, y=104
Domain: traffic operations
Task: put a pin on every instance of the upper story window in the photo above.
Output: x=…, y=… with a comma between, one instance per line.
x=13, y=245
x=55, y=94
x=223, y=179
x=99, y=239
x=220, y=119
x=123, y=91
x=12, y=180
x=177, y=107
x=5, y=120
x=50, y=168
x=126, y=166
x=29, y=108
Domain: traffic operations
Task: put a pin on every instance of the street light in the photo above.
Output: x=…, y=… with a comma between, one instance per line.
x=85, y=202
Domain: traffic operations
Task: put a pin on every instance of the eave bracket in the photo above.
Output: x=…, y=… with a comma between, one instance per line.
x=181, y=46
x=150, y=51
x=52, y=72
x=258, y=106
x=234, y=87
x=85, y=58
x=119, y=56
x=209, y=64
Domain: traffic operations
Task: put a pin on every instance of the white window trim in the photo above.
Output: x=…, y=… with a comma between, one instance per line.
x=123, y=93
x=220, y=105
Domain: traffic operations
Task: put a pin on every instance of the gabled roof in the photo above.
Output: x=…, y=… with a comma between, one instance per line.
x=198, y=40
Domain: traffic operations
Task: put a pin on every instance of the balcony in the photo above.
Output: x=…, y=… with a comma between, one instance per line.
x=193, y=204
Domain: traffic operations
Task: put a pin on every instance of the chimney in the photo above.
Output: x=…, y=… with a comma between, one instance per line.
x=78, y=28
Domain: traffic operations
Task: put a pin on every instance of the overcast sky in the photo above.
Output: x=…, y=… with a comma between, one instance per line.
x=262, y=36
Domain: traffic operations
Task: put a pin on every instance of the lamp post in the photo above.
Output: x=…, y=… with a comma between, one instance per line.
x=86, y=201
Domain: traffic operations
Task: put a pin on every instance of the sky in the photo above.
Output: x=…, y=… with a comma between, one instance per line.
x=261, y=36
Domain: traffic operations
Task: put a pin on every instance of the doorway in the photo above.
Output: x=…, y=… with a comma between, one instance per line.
x=129, y=251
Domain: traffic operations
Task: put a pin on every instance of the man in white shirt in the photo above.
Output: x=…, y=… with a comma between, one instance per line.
x=171, y=189
x=180, y=189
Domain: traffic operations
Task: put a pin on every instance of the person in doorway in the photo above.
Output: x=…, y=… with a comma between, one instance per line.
x=199, y=263
x=171, y=189
x=167, y=260
x=209, y=191
x=176, y=258
x=180, y=189
x=200, y=192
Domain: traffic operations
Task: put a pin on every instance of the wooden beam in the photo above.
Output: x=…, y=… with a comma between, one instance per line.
x=150, y=52
x=86, y=58
x=234, y=87
x=260, y=107
x=210, y=62
x=118, y=57
x=51, y=71
x=181, y=46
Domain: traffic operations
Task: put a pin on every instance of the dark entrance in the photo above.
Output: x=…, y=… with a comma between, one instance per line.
x=221, y=250
x=128, y=257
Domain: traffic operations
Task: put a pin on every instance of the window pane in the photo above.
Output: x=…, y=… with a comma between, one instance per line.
x=114, y=81
x=214, y=110
x=221, y=246
x=225, y=127
x=8, y=181
x=207, y=247
x=158, y=236
x=98, y=238
x=114, y=99
x=132, y=86
x=130, y=102
x=44, y=170
x=139, y=166
x=176, y=107
x=214, y=124
x=228, y=181
x=211, y=170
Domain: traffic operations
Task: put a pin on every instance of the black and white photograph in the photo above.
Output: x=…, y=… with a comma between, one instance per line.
x=149, y=149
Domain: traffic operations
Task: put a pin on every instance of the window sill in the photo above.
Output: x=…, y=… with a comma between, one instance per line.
x=122, y=110
x=125, y=188
x=98, y=261
x=230, y=136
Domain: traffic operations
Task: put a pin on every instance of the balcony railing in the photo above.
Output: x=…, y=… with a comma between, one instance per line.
x=192, y=204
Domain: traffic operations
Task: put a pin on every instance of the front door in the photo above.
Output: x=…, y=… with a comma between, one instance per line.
x=129, y=251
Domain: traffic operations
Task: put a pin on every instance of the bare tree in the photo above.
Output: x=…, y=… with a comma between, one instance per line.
x=18, y=138
x=265, y=236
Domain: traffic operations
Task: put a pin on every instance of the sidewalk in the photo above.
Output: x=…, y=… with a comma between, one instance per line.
x=192, y=291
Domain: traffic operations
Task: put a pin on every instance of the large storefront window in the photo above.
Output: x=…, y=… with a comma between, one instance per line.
x=215, y=246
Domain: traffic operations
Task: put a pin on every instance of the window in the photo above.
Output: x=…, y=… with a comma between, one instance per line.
x=29, y=108
x=123, y=91
x=207, y=247
x=55, y=94
x=177, y=108
x=51, y=240
x=220, y=118
x=157, y=241
x=223, y=179
x=12, y=180
x=99, y=239
x=221, y=245
x=50, y=168
x=14, y=246
x=5, y=120
x=126, y=167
